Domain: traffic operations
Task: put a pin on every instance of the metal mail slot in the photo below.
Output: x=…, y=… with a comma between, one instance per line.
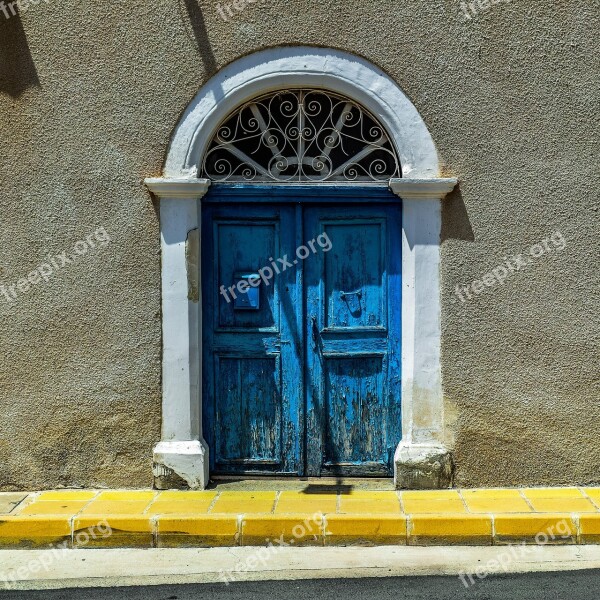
x=249, y=299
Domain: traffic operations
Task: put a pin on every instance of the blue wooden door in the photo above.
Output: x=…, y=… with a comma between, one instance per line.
x=252, y=346
x=353, y=310
x=301, y=372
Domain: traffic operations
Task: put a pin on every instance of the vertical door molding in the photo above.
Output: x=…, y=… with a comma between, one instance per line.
x=422, y=460
x=181, y=457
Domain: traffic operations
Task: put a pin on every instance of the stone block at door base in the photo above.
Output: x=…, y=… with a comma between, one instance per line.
x=181, y=465
x=423, y=468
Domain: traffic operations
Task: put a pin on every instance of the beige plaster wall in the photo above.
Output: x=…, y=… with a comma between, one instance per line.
x=89, y=95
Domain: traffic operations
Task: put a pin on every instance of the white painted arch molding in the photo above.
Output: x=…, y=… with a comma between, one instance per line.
x=421, y=458
x=288, y=67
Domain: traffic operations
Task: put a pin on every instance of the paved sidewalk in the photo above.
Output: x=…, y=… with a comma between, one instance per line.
x=469, y=566
x=315, y=516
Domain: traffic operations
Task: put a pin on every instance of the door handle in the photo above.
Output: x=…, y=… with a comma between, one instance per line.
x=358, y=293
x=315, y=329
x=354, y=306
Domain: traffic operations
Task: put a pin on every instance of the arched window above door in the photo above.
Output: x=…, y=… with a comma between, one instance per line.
x=300, y=136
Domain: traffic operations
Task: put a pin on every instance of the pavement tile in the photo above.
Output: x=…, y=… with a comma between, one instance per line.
x=298, y=502
x=65, y=507
x=370, y=503
x=592, y=492
x=9, y=501
x=532, y=493
x=430, y=495
x=66, y=495
x=567, y=505
x=185, y=495
x=244, y=502
x=495, y=501
x=491, y=493
x=179, y=507
x=426, y=506
x=109, y=507
x=175, y=502
x=119, y=503
x=128, y=495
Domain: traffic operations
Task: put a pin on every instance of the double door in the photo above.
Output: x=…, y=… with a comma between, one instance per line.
x=301, y=336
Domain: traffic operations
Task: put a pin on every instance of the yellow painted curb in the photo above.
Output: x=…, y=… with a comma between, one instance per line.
x=148, y=518
x=365, y=530
x=589, y=529
x=460, y=529
x=33, y=532
x=200, y=531
x=113, y=531
x=283, y=530
x=535, y=529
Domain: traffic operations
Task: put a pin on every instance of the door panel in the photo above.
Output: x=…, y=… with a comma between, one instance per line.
x=353, y=353
x=353, y=270
x=248, y=416
x=353, y=388
x=246, y=243
x=252, y=357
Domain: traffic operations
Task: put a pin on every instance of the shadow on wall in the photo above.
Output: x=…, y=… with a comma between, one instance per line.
x=17, y=71
x=195, y=25
x=455, y=219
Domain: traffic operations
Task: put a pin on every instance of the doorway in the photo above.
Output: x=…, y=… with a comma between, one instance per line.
x=302, y=360
x=290, y=116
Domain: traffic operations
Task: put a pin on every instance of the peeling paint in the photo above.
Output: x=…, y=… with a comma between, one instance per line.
x=192, y=254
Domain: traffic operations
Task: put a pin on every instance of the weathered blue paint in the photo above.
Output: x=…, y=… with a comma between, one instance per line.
x=307, y=194
x=308, y=384
x=252, y=359
x=353, y=309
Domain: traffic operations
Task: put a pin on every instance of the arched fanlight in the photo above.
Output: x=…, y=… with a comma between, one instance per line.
x=301, y=135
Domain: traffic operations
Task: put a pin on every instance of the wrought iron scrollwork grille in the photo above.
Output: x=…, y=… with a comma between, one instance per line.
x=301, y=135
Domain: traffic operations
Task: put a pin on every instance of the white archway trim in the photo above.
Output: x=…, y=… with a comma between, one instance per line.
x=182, y=454
x=283, y=68
x=421, y=459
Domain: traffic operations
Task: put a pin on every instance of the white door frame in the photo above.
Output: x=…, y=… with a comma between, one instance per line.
x=422, y=458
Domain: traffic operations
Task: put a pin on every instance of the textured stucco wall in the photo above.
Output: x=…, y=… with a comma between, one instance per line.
x=89, y=95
